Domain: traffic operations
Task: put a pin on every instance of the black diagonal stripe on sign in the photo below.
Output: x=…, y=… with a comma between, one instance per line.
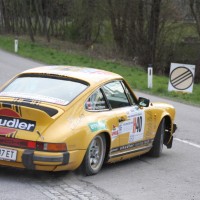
x=180, y=76
x=182, y=80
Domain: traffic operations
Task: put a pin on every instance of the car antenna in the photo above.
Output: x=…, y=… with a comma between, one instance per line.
x=40, y=135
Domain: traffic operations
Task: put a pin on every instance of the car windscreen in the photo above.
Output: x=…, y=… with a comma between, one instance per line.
x=49, y=89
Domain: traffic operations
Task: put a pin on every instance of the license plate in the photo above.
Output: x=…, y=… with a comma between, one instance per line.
x=8, y=154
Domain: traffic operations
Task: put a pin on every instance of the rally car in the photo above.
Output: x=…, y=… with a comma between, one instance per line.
x=57, y=118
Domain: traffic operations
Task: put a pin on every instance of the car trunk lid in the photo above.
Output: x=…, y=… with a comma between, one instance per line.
x=25, y=121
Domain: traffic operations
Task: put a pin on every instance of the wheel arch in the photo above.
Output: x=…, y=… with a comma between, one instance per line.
x=108, y=144
x=85, y=167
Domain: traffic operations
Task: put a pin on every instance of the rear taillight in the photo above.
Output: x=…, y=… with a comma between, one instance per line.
x=26, y=144
x=51, y=146
x=31, y=144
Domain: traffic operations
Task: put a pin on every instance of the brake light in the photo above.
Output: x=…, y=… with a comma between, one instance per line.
x=19, y=143
x=31, y=144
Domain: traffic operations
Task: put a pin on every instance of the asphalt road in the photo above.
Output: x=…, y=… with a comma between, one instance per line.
x=173, y=176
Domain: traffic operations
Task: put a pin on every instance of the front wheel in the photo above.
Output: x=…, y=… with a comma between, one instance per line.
x=95, y=155
x=157, y=148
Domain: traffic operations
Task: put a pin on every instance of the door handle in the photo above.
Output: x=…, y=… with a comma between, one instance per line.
x=122, y=119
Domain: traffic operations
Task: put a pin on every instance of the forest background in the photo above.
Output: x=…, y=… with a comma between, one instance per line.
x=136, y=32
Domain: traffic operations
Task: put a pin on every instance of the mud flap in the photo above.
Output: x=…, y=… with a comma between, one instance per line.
x=168, y=140
x=169, y=144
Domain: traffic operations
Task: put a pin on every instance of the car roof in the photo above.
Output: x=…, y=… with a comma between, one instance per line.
x=90, y=75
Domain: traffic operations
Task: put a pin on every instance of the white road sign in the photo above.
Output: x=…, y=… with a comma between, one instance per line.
x=181, y=77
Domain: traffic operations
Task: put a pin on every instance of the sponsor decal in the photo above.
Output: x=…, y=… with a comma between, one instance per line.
x=96, y=126
x=115, y=132
x=20, y=124
x=133, y=145
x=34, y=97
x=137, y=124
x=66, y=70
x=75, y=122
x=95, y=105
x=94, y=71
x=11, y=121
x=134, y=125
x=138, y=129
x=138, y=119
x=125, y=127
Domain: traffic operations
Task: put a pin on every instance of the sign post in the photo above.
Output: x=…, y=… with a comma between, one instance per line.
x=150, y=76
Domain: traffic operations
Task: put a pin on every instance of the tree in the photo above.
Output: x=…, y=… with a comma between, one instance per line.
x=118, y=12
x=153, y=28
x=139, y=29
x=4, y=8
x=27, y=11
x=195, y=9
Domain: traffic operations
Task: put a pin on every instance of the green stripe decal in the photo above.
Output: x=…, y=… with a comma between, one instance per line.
x=97, y=126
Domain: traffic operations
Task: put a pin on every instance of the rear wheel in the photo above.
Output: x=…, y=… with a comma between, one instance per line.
x=95, y=155
x=158, y=141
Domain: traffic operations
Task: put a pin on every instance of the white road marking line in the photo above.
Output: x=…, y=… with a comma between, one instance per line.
x=186, y=142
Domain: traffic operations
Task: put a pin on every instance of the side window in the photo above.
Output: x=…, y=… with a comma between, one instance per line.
x=115, y=94
x=129, y=95
x=96, y=102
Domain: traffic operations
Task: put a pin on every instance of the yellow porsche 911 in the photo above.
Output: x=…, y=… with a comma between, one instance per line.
x=63, y=117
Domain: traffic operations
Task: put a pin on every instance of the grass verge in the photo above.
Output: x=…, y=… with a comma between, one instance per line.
x=136, y=76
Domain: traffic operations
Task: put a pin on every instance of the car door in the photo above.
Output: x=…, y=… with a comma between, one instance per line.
x=131, y=118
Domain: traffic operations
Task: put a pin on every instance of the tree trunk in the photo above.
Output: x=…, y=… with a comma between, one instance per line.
x=153, y=30
x=5, y=16
x=118, y=17
x=27, y=14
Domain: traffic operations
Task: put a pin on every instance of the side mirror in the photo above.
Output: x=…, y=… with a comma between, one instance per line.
x=143, y=102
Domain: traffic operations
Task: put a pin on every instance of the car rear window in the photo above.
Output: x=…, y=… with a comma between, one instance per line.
x=49, y=89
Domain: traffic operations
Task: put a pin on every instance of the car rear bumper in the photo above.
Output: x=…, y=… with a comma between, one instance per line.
x=29, y=159
x=45, y=161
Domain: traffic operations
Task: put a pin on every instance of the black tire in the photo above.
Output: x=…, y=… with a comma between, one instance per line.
x=157, y=148
x=95, y=155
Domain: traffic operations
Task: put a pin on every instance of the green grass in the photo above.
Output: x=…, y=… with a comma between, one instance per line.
x=136, y=76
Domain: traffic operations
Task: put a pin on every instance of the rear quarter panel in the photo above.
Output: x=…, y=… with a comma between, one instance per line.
x=74, y=127
x=157, y=111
